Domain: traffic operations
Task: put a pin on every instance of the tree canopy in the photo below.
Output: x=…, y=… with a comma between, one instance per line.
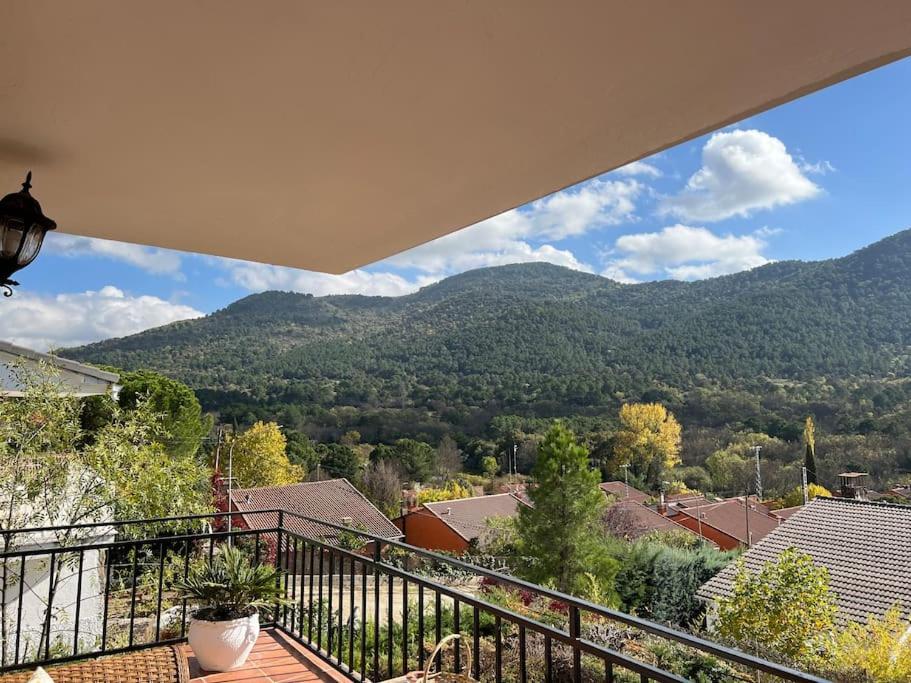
x=785, y=609
x=648, y=440
x=562, y=534
x=259, y=458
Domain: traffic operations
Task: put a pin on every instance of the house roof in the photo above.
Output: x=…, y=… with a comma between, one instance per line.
x=633, y=519
x=863, y=545
x=687, y=500
x=468, y=516
x=730, y=517
x=623, y=491
x=386, y=124
x=333, y=500
x=77, y=378
x=786, y=513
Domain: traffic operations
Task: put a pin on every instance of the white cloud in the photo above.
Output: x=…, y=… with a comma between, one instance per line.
x=639, y=168
x=258, y=277
x=819, y=168
x=684, y=252
x=742, y=171
x=150, y=259
x=515, y=236
x=40, y=322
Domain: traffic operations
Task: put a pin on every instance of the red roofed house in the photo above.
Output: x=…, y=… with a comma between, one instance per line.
x=729, y=524
x=335, y=500
x=622, y=491
x=452, y=525
x=630, y=520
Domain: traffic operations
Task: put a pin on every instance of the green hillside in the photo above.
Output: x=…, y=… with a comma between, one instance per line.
x=540, y=340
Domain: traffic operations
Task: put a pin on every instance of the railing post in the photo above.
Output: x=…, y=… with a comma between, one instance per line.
x=575, y=632
x=278, y=554
x=377, y=556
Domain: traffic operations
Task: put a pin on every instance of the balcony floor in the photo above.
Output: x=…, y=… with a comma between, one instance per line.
x=275, y=658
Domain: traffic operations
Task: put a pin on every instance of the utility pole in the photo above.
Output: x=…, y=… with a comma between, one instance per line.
x=803, y=484
x=626, y=477
x=746, y=507
x=756, y=450
x=230, y=485
x=515, y=460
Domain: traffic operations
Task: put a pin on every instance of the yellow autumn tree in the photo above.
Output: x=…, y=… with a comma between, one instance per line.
x=260, y=459
x=879, y=651
x=648, y=440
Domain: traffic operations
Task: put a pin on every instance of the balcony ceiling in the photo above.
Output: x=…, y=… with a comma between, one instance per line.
x=328, y=135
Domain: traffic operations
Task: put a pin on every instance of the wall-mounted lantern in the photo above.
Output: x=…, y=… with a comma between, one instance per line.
x=22, y=230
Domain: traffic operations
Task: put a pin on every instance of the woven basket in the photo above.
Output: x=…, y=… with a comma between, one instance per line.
x=152, y=665
x=439, y=676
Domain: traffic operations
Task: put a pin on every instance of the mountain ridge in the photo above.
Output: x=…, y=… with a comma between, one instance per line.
x=522, y=334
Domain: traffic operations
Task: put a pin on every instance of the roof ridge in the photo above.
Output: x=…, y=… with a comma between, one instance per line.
x=297, y=483
x=459, y=500
x=855, y=501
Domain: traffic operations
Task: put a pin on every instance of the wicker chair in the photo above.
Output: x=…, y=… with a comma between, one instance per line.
x=153, y=665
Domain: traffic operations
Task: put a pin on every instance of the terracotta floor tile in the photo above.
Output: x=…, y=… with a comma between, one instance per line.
x=274, y=659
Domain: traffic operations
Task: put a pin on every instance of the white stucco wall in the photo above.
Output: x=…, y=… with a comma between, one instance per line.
x=35, y=593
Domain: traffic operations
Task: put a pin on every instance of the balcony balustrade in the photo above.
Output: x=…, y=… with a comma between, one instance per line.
x=372, y=611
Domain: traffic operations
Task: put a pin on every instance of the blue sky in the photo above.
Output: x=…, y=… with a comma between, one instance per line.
x=813, y=179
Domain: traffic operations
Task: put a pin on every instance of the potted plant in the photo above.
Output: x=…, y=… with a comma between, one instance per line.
x=229, y=592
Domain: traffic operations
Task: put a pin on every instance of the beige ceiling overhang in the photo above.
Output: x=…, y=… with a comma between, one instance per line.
x=327, y=135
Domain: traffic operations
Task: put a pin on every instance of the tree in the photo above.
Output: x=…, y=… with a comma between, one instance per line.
x=661, y=573
x=648, y=440
x=729, y=471
x=453, y=490
x=879, y=650
x=301, y=451
x=561, y=534
x=182, y=418
x=350, y=438
x=795, y=496
x=489, y=466
x=339, y=460
x=786, y=609
x=449, y=458
x=383, y=486
x=259, y=457
x=415, y=458
x=809, y=440
x=50, y=475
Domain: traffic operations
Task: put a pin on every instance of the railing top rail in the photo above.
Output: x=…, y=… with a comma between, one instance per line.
x=126, y=542
x=128, y=522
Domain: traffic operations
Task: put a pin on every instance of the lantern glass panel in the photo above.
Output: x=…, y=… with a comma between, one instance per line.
x=11, y=234
x=31, y=246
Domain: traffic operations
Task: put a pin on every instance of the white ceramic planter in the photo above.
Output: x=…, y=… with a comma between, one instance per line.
x=223, y=645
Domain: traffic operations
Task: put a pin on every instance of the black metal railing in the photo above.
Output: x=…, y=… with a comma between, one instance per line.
x=374, y=609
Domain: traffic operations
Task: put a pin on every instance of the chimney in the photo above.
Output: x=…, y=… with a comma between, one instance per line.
x=853, y=485
x=662, y=504
x=346, y=521
x=448, y=511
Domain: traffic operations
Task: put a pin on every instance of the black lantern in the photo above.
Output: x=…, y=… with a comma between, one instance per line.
x=22, y=231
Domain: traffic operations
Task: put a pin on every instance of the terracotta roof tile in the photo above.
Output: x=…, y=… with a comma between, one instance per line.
x=334, y=501
x=468, y=516
x=730, y=517
x=634, y=519
x=786, y=513
x=623, y=492
x=864, y=546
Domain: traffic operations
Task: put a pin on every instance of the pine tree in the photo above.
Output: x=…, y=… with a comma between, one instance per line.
x=562, y=535
x=809, y=438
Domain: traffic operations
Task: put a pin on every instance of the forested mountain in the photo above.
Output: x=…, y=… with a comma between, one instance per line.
x=538, y=340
